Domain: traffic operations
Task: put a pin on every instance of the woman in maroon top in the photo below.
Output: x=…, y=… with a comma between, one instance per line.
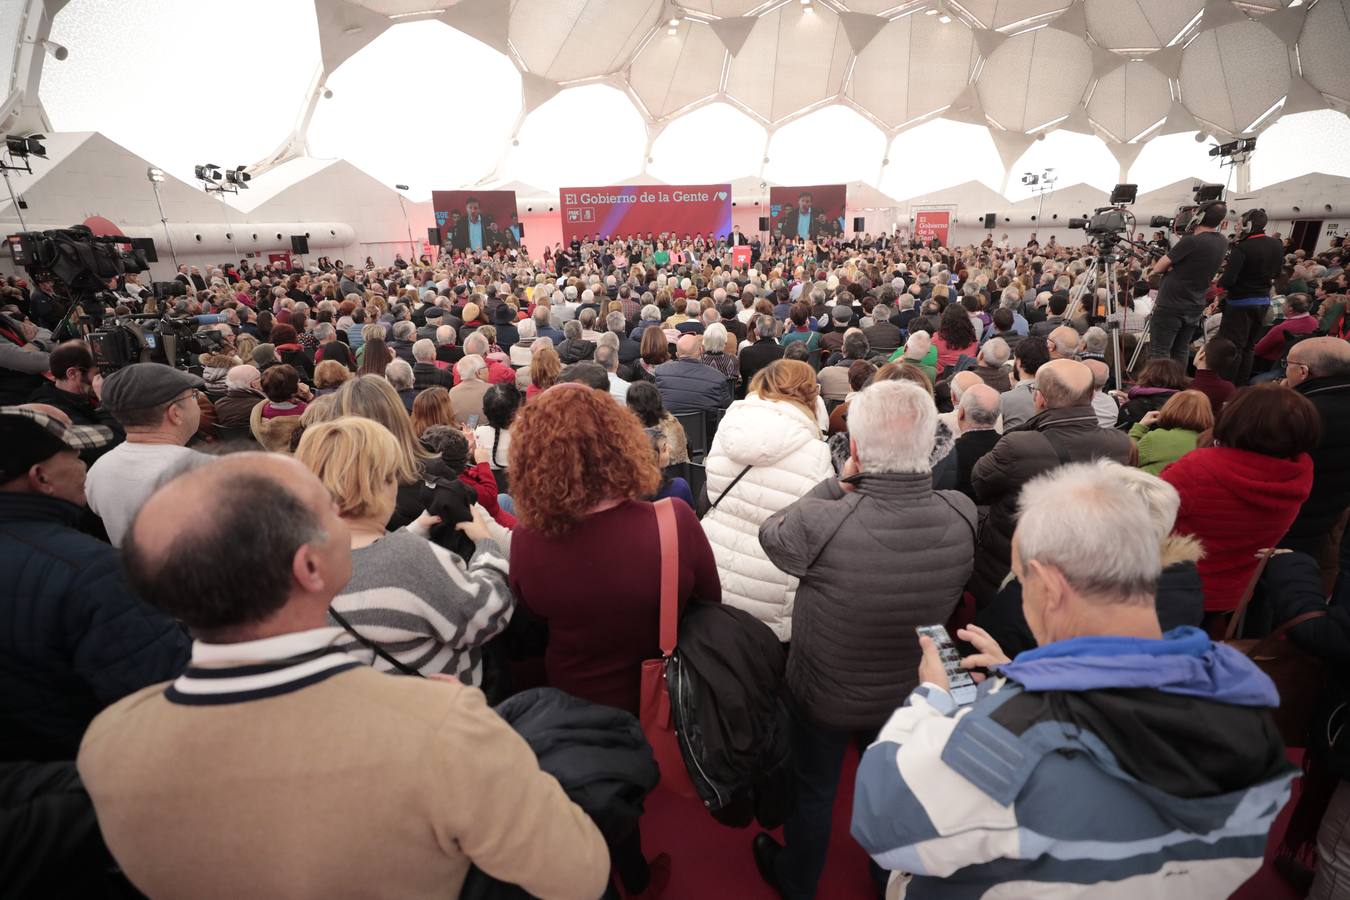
x=585, y=555
x=586, y=558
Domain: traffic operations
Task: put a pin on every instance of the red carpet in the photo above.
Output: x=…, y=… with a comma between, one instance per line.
x=709, y=860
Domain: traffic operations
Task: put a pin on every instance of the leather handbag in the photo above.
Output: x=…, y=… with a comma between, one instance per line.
x=654, y=705
x=1299, y=678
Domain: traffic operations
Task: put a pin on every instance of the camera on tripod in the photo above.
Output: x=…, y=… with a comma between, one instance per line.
x=1105, y=222
x=1184, y=218
x=149, y=338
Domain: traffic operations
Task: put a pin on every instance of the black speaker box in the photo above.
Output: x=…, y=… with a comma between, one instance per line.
x=434, y=237
x=299, y=244
x=990, y=219
x=859, y=224
x=763, y=223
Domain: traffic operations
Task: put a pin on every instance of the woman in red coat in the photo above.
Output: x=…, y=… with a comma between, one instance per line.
x=1240, y=495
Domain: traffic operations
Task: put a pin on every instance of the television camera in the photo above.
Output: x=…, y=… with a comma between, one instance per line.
x=82, y=264
x=1183, y=220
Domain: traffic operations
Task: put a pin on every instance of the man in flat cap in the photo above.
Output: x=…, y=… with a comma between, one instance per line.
x=157, y=406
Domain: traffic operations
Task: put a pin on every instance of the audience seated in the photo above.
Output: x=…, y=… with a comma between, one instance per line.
x=686, y=385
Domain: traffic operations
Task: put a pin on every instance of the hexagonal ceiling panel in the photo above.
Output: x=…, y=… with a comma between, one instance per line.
x=140, y=72
x=1322, y=47
x=548, y=157
x=1139, y=24
x=673, y=71
x=832, y=145
x=1233, y=74
x=914, y=66
x=713, y=143
x=564, y=40
x=422, y=52
x=794, y=56
x=722, y=8
x=1129, y=99
x=1034, y=78
x=1002, y=13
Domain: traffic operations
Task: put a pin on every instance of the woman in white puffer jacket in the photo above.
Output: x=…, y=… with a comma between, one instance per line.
x=775, y=432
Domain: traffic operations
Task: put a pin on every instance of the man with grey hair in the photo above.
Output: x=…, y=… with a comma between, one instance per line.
x=574, y=347
x=497, y=372
x=853, y=651
x=833, y=379
x=629, y=349
x=404, y=332
x=243, y=391
x=400, y=376
x=1064, y=430
x=976, y=418
x=882, y=335
x=467, y=396
x=425, y=371
x=608, y=359
x=1063, y=343
x=687, y=385
x=957, y=781
x=446, y=350
x=1103, y=404
x=763, y=349
x=649, y=317
x=543, y=326
x=992, y=365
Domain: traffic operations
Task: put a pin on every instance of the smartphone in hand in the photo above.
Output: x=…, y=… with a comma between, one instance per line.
x=960, y=685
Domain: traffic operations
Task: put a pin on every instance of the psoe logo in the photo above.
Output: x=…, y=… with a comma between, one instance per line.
x=720, y=195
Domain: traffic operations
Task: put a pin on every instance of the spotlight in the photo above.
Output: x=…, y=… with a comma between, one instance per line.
x=674, y=22
x=209, y=172
x=154, y=174
x=1124, y=194
x=21, y=147
x=238, y=177
x=1030, y=178
x=1234, y=148
x=400, y=187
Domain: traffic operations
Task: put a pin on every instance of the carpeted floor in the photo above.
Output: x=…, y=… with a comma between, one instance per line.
x=710, y=861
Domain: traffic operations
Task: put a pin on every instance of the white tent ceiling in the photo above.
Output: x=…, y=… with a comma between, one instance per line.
x=444, y=93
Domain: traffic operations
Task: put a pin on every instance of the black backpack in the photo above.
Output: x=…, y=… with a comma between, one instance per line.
x=726, y=681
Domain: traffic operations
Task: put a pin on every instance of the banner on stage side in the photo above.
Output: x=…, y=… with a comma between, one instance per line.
x=477, y=220
x=623, y=211
x=932, y=223
x=813, y=211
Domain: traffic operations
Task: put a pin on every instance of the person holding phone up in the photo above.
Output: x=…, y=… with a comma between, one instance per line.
x=1111, y=752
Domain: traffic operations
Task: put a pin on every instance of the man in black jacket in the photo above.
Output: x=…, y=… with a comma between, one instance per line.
x=1253, y=263
x=763, y=351
x=1319, y=369
x=74, y=390
x=76, y=638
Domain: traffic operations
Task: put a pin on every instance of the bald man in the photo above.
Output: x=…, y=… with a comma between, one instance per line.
x=1063, y=430
x=169, y=770
x=961, y=382
x=1319, y=369
x=1103, y=404
x=687, y=385
x=976, y=416
x=1063, y=343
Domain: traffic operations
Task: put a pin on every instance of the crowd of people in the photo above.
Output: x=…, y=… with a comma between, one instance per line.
x=309, y=580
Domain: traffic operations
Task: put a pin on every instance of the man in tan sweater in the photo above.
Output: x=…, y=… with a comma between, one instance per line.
x=279, y=766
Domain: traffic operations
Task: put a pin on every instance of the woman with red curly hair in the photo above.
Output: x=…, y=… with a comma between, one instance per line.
x=586, y=558
x=580, y=464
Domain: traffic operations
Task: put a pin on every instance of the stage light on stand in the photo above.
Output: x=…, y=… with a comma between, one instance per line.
x=155, y=176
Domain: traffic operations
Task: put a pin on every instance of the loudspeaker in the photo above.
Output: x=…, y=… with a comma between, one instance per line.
x=148, y=245
x=858, y=223
x=434, y=237
x=299, y=244
x=990, y=219
x=763, y=223
x=521, y=226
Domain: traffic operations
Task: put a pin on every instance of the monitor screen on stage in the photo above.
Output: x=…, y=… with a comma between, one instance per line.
x=811, y=211
x=639, y=210
x=477, y=220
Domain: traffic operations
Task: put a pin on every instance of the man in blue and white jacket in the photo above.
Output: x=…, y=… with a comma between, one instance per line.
x=1111, y=761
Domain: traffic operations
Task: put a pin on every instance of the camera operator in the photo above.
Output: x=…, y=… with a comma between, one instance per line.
x=44, y=307
x=1189, y=266
x=1253, y=263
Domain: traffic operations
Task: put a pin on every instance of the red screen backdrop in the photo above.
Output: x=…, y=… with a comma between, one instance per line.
x=813, y=211
x=932, y=223
x=475, y=220
x=674, y=209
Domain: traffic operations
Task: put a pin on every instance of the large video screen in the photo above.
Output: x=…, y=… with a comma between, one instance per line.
x=477, y=220
x=813, y=211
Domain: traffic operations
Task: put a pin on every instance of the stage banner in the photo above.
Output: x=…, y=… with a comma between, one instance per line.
x=932, y=223
x=815, y=211
x=638, y=210
x=475, y=220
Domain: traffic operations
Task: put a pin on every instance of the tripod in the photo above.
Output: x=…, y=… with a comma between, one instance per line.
x=1104, y=263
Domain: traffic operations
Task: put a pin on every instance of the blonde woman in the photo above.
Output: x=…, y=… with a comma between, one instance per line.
x=329, y=375
x=410, y=606
x=768, y=452
x=372, y=397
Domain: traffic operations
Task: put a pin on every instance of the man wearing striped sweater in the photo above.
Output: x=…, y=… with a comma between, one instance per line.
x=1111, y=761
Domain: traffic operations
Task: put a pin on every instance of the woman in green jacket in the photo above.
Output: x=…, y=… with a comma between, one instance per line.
x=1165, y=435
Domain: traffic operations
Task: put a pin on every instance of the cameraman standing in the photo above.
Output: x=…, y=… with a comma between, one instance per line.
x=1253, y=264
x=1190, y=266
